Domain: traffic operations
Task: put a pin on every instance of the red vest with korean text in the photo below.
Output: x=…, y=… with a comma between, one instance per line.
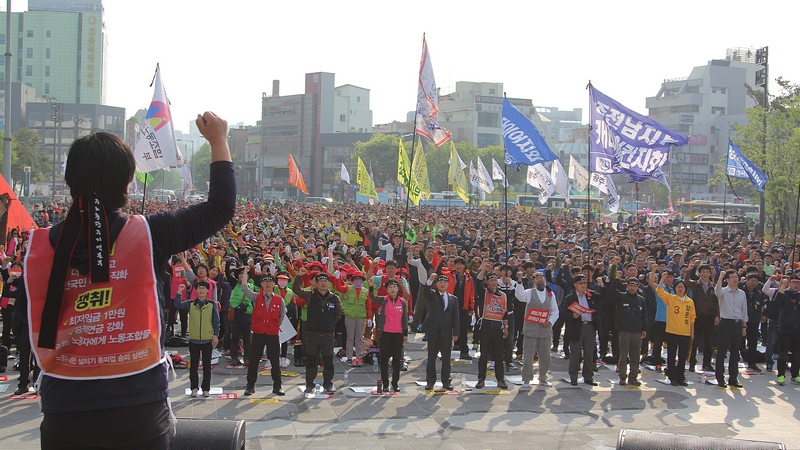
x=267, y=318
x=105, y=330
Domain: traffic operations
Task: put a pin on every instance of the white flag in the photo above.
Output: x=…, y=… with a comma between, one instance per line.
x=539, y=178
x=559, y=177
x=461, y=163
x=497, y=173
x=486, y=180
x=426, y=121
x=157, y=147
x=345, y=174
x=578, y=174
x=186, y=173
x=613, y=197
x=600, y=181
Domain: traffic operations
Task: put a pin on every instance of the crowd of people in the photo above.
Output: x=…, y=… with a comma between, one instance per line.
x=362, y=277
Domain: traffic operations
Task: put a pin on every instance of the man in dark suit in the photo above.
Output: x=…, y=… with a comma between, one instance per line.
x=582, y=331
x=442, y=327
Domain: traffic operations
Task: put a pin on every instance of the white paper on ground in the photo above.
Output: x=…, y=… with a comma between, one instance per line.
x=489, y=383
x=362, y=389
x=666, y=381
x=517, y=379
x=4, y=387
x=422, y=383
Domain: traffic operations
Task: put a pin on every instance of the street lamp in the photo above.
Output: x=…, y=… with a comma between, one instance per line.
x=57, y=117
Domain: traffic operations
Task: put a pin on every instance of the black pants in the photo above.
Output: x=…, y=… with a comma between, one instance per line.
x=184, y=315
x=788, y=343
x=659, y=332
x=195, y=351
x=440, y=341
x=131, y=427
x=519, y=321
x=730, y=338
x=491, y=342
x=225, y=331
x=273, y=353
x=316, y=343
x=391, y=347
x=7, y=312
x=508, y=343
x=466, y=321
x=677, y=346
x=557, y=335
x=752, y=342
x=420, y=307
x=703, y=332
x=608, y=330
x=241, y=331
x=25, y=356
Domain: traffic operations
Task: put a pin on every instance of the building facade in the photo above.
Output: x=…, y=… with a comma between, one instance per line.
x=704, y=106
x=59, y=48
x=294, y=124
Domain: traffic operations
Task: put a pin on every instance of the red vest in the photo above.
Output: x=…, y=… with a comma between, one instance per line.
x=105, y=330
x=494, y=306
x=267, y=318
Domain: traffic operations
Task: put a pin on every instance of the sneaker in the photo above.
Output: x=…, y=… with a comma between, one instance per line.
x=206, y=394
x=194, y=393
x=428, y=387
x=781, y=380
x=250, y=390
x=350, y=361
x=527, y=385
x=284, y=362
x=330, y=390
x=309, y=390
x=395, y=387
x=279, y=392
x=465, y=357
x=502, y=385
x=491, y=365
x=545, y=383
x=448, y=387
x=796, y=380
x=21, y=391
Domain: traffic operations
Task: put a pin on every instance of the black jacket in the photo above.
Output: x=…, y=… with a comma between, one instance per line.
x=438, y=319
x=322, y=311
x=631, y=313
x=789, y=304
x=569, y=318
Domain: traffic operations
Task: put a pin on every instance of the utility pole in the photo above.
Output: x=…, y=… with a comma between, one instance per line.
x=762, y=79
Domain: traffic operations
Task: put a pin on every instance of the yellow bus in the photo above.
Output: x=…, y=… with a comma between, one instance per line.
x=692, y=209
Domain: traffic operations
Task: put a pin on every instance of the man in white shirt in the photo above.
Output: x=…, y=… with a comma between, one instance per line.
x=732, y=327
x=537, y=330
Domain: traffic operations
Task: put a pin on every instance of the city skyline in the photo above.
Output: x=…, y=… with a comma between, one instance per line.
x=549, y=57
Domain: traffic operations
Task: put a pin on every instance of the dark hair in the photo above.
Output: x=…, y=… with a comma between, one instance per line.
x=460, y=260
x=100, y=165
x=703, y=267
x=391, y=262
x=685, y=287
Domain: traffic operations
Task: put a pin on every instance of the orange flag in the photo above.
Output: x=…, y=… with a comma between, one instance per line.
x=295, y=177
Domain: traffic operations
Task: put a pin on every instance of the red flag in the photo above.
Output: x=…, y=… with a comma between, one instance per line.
x=295, y=177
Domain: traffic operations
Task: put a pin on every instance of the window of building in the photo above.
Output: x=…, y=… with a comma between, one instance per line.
x=358, y=99
x=2, y=61
x=2, y=77
x=485, y=139
x=47, y=88
x=47, y=53
x=713, y=129
x=719, y=90
x=30, y=33
x=47, y=71
x=712, y=149
x=48, y=33
x=718, y=110
x=712, y=170
x=2, y=38
x=28, y=70
x=693, y=89
x=342, y=118
x=29, y=52
x=488, y=119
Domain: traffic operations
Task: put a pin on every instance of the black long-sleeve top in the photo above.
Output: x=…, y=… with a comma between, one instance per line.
x=172, y=232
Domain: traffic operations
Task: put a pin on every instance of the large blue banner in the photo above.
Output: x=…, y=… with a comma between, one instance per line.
x=622, y=140
x=524, y=144
x=739, y=166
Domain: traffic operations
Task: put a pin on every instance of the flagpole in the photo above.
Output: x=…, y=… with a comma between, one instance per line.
x=144, y=193
x=589, y=186
x=725, y=196
x=505, y=189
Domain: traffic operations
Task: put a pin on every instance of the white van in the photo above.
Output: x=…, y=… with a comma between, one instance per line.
x=318, y=200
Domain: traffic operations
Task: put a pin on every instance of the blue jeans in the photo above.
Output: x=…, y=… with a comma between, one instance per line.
x=772, y=340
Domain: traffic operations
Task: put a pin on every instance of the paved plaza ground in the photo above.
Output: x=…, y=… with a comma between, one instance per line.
x=562, y=416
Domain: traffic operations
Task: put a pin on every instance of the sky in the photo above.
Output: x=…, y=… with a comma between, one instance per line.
x=221, y=56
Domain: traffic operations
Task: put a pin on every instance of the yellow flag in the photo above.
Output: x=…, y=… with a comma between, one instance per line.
x=456, y=175
x=405, y=175
x=419, y=168
x=364, y=181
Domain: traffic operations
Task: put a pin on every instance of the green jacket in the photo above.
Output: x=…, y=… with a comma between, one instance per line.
x=355, y=307
x=238, y=297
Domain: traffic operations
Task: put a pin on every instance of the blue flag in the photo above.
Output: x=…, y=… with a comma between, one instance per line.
x=657, y=175
x=740, y=167
x=621, y=140
x=524, y=144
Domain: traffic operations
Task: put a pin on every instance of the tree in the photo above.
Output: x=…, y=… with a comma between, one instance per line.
x=776, y=153
x=201, y=161
x=380, y=152
x=25, y=145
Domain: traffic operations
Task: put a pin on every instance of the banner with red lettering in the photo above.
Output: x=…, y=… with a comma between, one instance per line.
x=538, y=316
x=577, y=308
